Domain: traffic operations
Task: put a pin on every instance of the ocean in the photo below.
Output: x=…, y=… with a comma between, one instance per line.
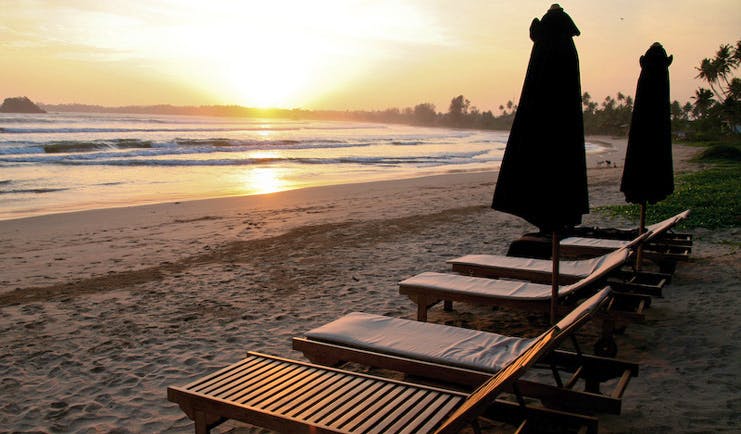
x=60, y=162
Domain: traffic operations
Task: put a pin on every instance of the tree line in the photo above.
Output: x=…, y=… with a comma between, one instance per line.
x=714, y=112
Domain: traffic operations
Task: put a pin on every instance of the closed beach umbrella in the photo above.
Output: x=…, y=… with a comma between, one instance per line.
x=543, y=175
x=648, y=173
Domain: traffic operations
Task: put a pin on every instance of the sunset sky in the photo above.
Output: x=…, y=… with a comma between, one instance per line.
x=336, y=54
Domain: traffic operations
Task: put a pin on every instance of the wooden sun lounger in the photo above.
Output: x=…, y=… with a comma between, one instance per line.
x=295, y=397
x=428, y=289
x=667, y=235
x=660, y=246
x=468, y=357
x=571, y=271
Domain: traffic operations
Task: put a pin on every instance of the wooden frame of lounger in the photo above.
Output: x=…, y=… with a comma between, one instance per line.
x=661, y=247
x=656, y=251
x=639, y=282
x=593, y=370
x=625, y=305
x=296, y=397
x=667, y=236
x=656, y=246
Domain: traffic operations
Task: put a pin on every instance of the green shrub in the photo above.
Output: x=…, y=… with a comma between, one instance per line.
x=720, y=153
x=713, y=195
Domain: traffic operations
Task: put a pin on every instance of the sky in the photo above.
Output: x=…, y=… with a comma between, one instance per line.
x=335, y=54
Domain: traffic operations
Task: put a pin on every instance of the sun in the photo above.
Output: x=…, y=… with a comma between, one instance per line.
x=270, y=77
x=263, y=54
x=250, y=54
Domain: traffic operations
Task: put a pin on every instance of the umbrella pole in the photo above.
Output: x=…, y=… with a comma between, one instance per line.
x=555, y=254
x=641, y=230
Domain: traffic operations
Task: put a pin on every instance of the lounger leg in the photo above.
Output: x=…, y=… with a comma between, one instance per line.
x=204, y=422
x=606, y=346
x=421, y=311
x=201, y=422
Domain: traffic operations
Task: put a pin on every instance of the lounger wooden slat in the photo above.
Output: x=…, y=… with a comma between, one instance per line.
x=281, y=394
x=340, y=415
x=253, y=393
x=646, y=283
x=385, y=404
x=216, y=378
x=384, y=412
x=295, y=403
x=358, y=403
x=318, y=408
x=406, y=417
x=621, y=386
x=307, y=405
x=337, y=412
x=677, y=239
x=227, y=384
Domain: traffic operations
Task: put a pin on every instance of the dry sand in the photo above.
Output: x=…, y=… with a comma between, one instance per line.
x=100, y=311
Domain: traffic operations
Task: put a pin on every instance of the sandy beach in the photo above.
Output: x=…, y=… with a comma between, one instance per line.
x=101, y=310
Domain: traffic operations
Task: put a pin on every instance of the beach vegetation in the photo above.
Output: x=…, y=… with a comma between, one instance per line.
x=716, y=111
x=611, y=117
x=713, y=193
x=720, y=153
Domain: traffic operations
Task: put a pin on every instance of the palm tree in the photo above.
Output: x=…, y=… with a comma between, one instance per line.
x=629, y=102
x=734, y=89
x=703, y=101
x=709, y=71
x=725, y=62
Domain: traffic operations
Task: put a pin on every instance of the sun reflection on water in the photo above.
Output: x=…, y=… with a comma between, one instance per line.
x=261, y=180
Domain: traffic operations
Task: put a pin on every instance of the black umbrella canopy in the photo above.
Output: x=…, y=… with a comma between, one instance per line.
x=543, y=176
x=648, y=174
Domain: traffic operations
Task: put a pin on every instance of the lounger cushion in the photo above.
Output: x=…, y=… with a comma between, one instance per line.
x=654, y=230
x=579, y=269
x=436, y=343
x=505, y=289
x=601, y=243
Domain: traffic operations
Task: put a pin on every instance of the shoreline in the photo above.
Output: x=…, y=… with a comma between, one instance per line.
x=96, y=243
x=613, y=148
x=124, y=302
